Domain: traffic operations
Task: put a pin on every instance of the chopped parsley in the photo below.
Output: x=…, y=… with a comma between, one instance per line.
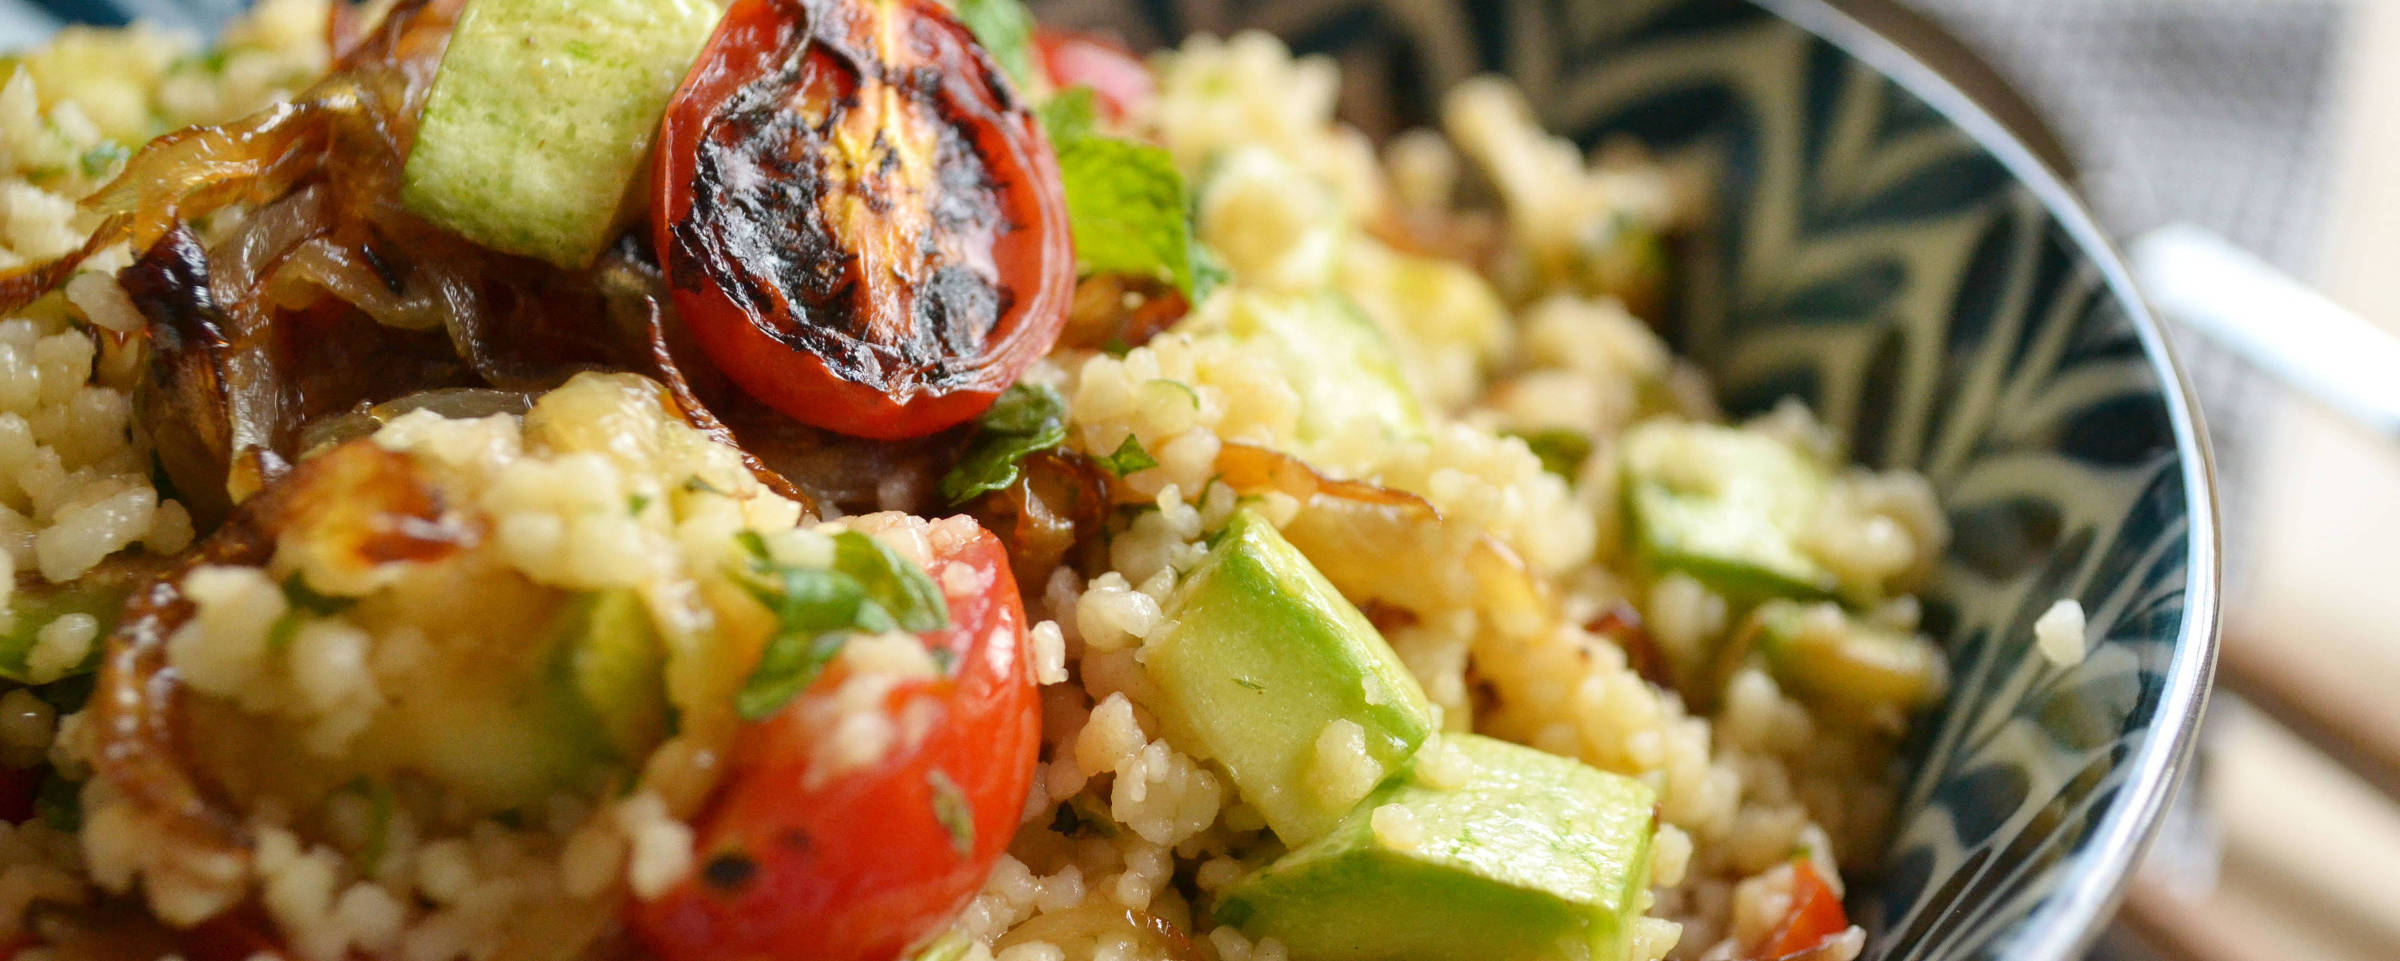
x=754, y=544
x=892, y=582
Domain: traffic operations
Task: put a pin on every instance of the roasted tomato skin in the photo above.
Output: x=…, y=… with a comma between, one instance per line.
x=861, y=223
x=863, y=866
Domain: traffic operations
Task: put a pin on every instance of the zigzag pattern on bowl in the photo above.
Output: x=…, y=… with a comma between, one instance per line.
x=1874, y=259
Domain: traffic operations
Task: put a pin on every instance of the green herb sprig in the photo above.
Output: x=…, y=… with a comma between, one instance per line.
x=869, y=589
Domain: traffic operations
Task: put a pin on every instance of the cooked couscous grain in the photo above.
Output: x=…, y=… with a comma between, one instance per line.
x=2060, y=634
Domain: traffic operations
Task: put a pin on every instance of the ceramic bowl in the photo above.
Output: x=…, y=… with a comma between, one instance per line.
x=1882, y=249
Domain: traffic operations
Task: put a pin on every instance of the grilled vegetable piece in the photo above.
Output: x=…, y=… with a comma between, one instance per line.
x=1822, y=653
x=860, y=221
x=33, y=605
x=1265, y=663
x=609, y=660
x=1496, y=852
x=1726, y=506
x=540, y=119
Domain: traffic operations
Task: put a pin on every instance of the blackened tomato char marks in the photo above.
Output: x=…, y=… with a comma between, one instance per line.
x=785, y=186
x=862, y=224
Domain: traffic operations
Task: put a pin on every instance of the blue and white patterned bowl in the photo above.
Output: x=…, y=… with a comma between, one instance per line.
x=1885, y=251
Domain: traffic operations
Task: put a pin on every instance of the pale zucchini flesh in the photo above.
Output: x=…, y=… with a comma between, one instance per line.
x=541, y=118
x=1515, y=855
x=1262, y=656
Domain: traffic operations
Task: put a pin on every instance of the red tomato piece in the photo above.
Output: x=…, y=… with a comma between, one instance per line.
x=861, y=223
x=1118, y=79
x=1816, y=914
x=871, y=862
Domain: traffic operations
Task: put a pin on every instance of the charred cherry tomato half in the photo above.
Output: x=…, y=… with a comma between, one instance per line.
x=1117, y=79
x=861, y=223
x=865, y=863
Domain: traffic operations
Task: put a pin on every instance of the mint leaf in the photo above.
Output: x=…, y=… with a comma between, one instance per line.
x=891, y=582
x=808, y=600
x=1028, y=419
x=1129, y=210
x=1129, y=458
x=1005, y=29
x=789, y=665
x=869, y=589
x=1071, y=115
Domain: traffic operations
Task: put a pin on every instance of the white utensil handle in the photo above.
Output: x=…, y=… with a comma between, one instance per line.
x=2208, y=286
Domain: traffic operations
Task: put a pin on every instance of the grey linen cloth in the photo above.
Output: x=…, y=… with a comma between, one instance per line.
x=2215, y=112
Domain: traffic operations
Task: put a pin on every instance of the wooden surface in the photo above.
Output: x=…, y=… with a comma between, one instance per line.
x=2311, y=854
